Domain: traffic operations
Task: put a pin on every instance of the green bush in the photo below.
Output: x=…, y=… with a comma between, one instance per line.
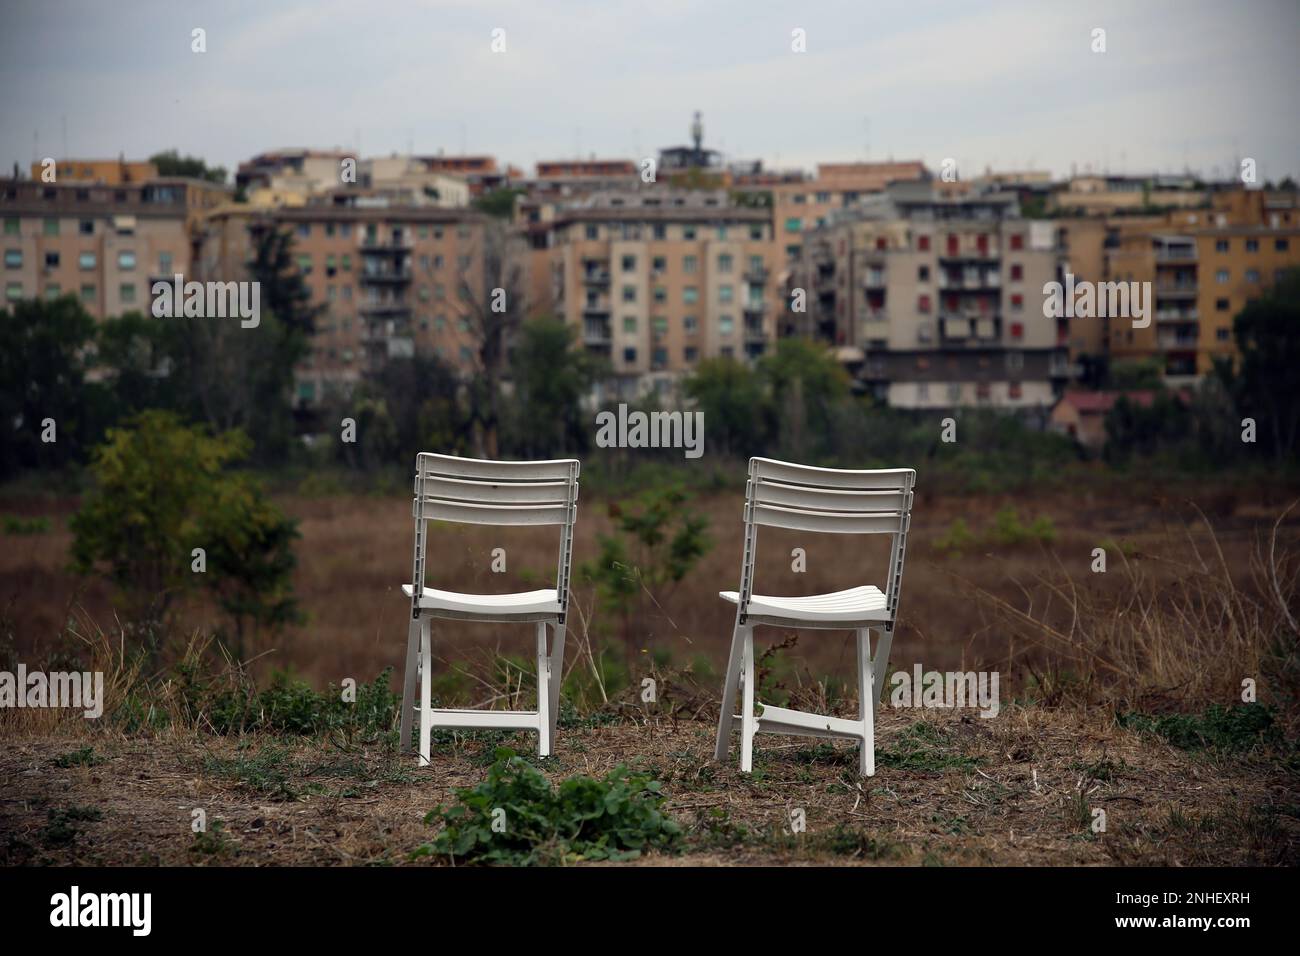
x=614, y=818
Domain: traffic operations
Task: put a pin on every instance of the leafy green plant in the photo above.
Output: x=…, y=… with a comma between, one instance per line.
x=515, y=816
x=82, y=757
x=1234, y=729
x=17, y=525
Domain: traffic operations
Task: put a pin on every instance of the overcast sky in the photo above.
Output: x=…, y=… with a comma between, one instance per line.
x=1004, y=83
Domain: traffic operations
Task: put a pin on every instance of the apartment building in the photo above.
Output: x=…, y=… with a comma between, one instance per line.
x=392, y=280
x=289, y=175
x=658, y=280
x=802, y=206
x=1106, y=194
x=936, y=301
x=105, y=244
x=1203, y=265
x=412, y=180
x=104, y=172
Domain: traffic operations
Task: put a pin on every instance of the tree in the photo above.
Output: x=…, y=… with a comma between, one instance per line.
x=499, y=202
x=736, y=410
x=494, y=303
x=657, y=543
x=806, y=385
x=172, y=163
x=551, y=378
x=161, y=491
x=43, y=363
x=1267, y=381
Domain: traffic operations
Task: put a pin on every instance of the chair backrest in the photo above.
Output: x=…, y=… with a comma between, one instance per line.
x=781, y=494
x=474, y=491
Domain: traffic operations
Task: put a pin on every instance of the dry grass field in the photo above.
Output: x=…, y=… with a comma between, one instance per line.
x=1184, y=611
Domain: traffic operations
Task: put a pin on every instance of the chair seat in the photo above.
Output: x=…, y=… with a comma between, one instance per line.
x=521, y=603
x=866, y=603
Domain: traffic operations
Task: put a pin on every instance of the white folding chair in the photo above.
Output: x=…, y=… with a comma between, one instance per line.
x=473, y=491
x=785, y=495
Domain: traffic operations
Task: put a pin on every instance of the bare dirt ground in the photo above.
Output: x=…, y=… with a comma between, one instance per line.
x=950, y=789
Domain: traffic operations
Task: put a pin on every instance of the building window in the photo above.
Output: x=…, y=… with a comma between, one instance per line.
x=661, y=294
x=14, y=291
x=165, y=263
x=1252, y=275
x=304, y=230
x=1221, y=305
x=88, y=294
x=688, y=232
x=629, y=263
x=86, y=227
x=1221, y=245
x=923, y=391
x=53, y=290
x=51, y=227
x=1222, y=334
x=689, y=265
x=660, y=231
x=724, y=293
x=629, y=356
x=1281, y=245
x=1013, y=390
x=954, y=392
x=13, y=258
x=724, y=263
x=922, y=273
x=1017, y=241
x=1017, y=272
x=86, y=260
x=793, y=224
x=691, y=354
x=126, y=259
x=923, y=304
x=629, y=293
x=126, y=292
x=722, y=233
x=690, y=295
x=593, y=232
x=1252, y=245
x=1017, y=302
x=923, y=243
x=756, y=233
x=725, y=325
x=1221, y=276
x=11, y=226
x=1017, y=330
x=51, y=260
x=629, y=325
x=691, y=324
x=659, y=264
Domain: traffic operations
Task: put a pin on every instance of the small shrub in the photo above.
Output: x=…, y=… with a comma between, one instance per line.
x=614, y=818
x=1236, y=729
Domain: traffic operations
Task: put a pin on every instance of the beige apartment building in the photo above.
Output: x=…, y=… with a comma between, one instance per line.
x=104, y=172
x=392, y=280
x=1203, y=265
x=936, y=301
x=105, y=244
x=658, y=280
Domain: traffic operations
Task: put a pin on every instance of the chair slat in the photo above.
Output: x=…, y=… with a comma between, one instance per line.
x=884, y=479
x=437, y=510
x=830, y=499
x=495, y=492
x=825, y=521
x=562, y=469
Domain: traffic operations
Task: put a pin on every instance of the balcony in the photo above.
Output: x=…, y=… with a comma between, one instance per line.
x=596, y=333
x=758, y=275
x=382, y=276
x=596, y=277
x=1175, y=341
x=1177, y=315
x=754, y=331
x=385, y=244
x=1176, y=290
x=758, y=309
x=385, y=306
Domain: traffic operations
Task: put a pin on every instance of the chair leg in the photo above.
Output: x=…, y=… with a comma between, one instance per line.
x=426, y=693
x=408, y=686
x=880, y=663
x=866, y=705
x=557, y=675
x=729, y=687
x=747, y=720
x=543, y=694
